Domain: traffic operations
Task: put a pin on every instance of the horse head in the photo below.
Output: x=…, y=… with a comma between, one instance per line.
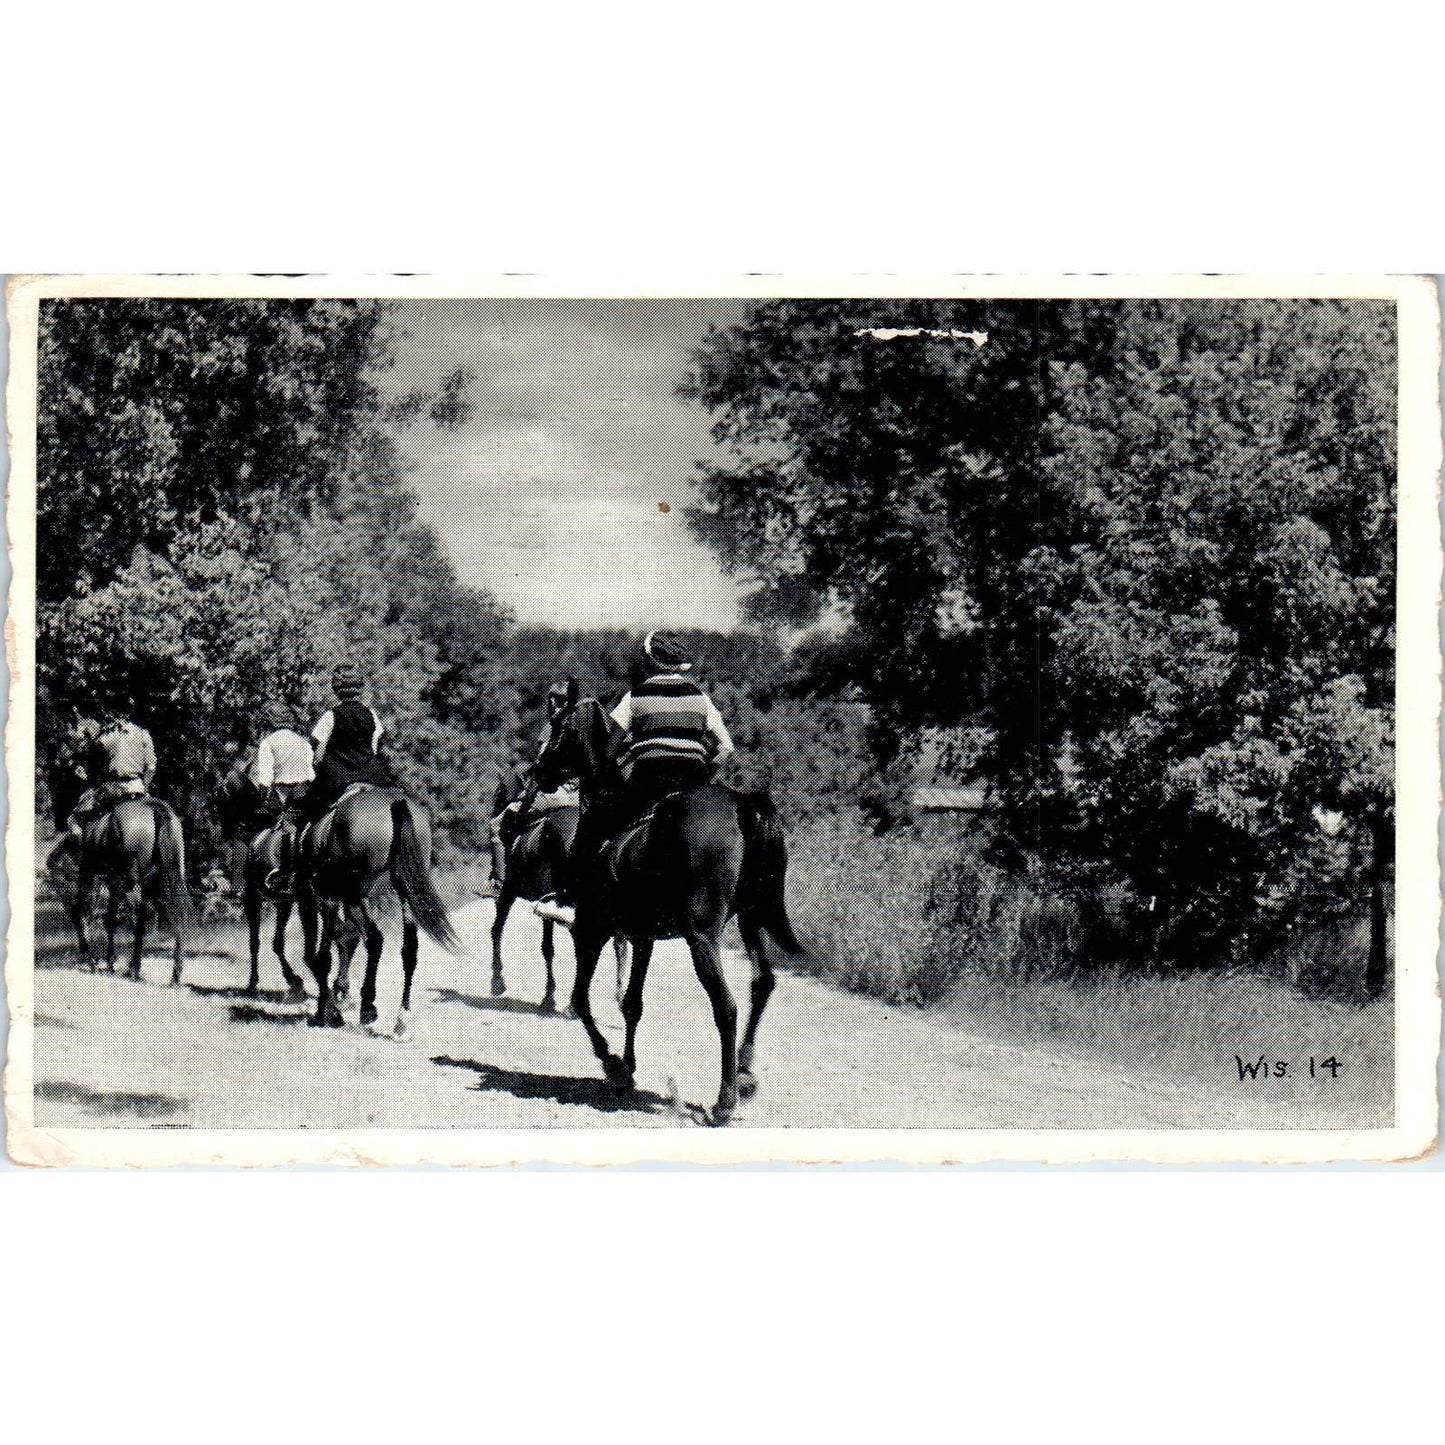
x=580, y=744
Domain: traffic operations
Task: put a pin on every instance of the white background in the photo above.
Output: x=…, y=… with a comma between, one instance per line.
x=870, y=1305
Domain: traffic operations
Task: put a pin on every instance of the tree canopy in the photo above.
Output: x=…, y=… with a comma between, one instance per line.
x=1148, y=544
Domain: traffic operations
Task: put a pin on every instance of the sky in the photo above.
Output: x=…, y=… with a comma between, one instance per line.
x=549, y=495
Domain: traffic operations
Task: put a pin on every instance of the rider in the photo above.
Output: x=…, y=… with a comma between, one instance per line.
x=120, y=762
x=348, y=740
x=674, y=737
x=282, y=773
x=284, y=768
x=517, y=800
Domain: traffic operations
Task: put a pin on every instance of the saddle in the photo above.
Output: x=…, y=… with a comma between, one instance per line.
x=612, y=848
x=350, y=791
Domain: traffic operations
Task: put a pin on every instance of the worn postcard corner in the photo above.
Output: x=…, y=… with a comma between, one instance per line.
x=929, y=720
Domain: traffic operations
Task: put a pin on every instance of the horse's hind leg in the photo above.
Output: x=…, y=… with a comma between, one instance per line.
x=348, y=935
x=252, y=905
x=294, y=986
x=372, y=934
x=178, y=951
x=326, y=1011
x=142, y=906
x=632, y=1004
x=707, y=960
x=549, y=954
x=79, y=912
x=588, y=947
x=620, y=948
x=762, y=988
x=408, y=967
x=308, y=908
x=505, y=899
x=112, y=923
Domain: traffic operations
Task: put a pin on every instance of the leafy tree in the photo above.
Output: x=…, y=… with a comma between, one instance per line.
x=223, y=517
x=1147, y=545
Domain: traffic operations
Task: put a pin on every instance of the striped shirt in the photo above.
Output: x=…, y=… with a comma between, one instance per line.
x=670, y=717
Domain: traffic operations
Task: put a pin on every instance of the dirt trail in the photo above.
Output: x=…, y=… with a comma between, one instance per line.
x=117, y=1053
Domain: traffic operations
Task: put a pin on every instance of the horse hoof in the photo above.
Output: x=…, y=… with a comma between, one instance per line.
x=747, y=1086
x=334, y=1020
x=548, y=1005
x=722, y=1111
x=368, y=1016
x=295, y=994
x=499, y=985
x=617, y=1073
x=251, y=990
x=399, y=1030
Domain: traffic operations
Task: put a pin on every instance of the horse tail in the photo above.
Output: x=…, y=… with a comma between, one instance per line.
x=170, y=865
x=765, y=870
x=411, y=878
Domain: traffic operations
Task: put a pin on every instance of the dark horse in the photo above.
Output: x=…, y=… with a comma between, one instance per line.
x=267, y=854
x=535, y=858
x=702, y=856
x=138, y=848
x=371, y=837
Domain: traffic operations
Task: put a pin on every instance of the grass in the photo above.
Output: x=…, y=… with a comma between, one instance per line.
x=916, y=919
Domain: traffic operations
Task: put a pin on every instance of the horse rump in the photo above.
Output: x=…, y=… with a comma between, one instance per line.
x=170, y=865
x=411, y=878
x=760, y=895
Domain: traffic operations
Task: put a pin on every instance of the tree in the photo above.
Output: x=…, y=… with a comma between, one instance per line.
x=1217, y=612
x=1148, y=545
x=223, y=517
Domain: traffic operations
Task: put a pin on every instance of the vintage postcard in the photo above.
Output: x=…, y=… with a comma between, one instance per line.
x=934, y=719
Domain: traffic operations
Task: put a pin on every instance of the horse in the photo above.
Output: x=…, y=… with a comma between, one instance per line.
x=370, y=837
x=269, y=851
x=535, y=857
x=138, y=847
x=701, y=857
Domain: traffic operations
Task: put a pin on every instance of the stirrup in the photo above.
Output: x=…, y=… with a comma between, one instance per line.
x=555, y=912
x=278, y=883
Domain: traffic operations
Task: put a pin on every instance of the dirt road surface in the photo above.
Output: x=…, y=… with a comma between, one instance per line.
x=114, y=1053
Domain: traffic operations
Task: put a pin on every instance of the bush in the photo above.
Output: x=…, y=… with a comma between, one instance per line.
x=907, y=915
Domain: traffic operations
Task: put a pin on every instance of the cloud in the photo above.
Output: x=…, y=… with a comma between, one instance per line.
x=549, y=495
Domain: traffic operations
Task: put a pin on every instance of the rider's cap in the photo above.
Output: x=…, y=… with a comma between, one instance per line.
x=666, y=650
x=346, y=682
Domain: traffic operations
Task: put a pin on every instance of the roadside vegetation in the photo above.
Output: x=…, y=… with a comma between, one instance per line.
x=918, y=918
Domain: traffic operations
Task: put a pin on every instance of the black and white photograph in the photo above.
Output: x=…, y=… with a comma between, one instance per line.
x=934, y=721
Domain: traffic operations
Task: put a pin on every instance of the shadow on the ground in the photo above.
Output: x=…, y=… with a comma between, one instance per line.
x=88, y=1101
x=255, y=1013
x=495, y=1005
x=50, y=1021
x=229, y=990
x=558, y=1089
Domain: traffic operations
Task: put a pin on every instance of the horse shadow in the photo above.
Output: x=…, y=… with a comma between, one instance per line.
x=237, y=991
x=596, y=1094
x=255, y=1013
x=89, y=1101
x=495, y=1005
